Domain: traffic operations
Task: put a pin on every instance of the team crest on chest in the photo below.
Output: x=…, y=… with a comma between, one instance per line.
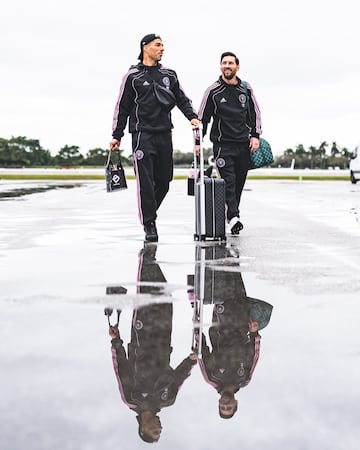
x=166, y=81
x=241, y=370
x=242, y=100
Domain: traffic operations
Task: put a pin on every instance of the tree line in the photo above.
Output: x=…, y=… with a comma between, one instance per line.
x=24, y=152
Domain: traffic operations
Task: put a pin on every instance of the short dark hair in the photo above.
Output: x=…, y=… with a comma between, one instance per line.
x=229, y=54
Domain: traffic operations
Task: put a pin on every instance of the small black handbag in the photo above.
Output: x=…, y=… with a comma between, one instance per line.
x=114, y=174
x=194, y=174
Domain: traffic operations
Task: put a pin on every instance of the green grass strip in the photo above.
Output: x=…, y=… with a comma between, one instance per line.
x=49, y=177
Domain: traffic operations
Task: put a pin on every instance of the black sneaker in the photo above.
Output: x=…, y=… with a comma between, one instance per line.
x=108, y=311
x=236, y=225
x=151, y=232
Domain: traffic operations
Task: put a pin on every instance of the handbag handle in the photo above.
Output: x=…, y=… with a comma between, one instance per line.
x=244, y=84
x=109, y=160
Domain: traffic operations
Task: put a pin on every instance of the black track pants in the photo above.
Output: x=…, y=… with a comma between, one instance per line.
x=153, y=165
x=232, y=164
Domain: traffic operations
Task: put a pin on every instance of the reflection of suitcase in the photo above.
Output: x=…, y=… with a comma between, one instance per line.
x=222, y=286
x=209, y=204
x=222, y=280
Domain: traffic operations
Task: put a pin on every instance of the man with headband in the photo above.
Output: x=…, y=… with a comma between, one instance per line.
x=148, y=92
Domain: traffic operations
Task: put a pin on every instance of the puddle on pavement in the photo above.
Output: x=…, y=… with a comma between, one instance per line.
x=161, y=369
x=225, y=345
x=14, y=192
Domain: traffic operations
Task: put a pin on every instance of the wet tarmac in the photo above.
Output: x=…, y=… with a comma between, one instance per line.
x=276, y=307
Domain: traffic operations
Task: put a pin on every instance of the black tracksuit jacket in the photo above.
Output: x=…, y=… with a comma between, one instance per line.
x=234, y=110
x=137, y=101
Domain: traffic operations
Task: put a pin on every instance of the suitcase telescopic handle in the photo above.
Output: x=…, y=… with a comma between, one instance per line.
x=198, y=135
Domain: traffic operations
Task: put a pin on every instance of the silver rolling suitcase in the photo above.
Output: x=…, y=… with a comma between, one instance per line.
x=209, y=202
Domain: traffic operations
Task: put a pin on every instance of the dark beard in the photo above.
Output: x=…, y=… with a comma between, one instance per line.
x=229, y=77
x=227, y=396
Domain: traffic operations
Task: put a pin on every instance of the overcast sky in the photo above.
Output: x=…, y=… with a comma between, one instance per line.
x=62, y=63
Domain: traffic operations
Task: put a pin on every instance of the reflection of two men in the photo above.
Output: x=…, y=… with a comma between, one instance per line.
x=229, y=359
x=146, y=380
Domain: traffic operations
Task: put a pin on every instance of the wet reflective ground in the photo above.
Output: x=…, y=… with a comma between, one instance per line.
x=106, y=342
x=11, y=190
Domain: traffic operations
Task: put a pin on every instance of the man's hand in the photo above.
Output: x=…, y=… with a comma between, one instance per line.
x=195, y=122
x=114, y=331
x=114, y=145
x=253, y=326
x=193, y=356
x=254, y=144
